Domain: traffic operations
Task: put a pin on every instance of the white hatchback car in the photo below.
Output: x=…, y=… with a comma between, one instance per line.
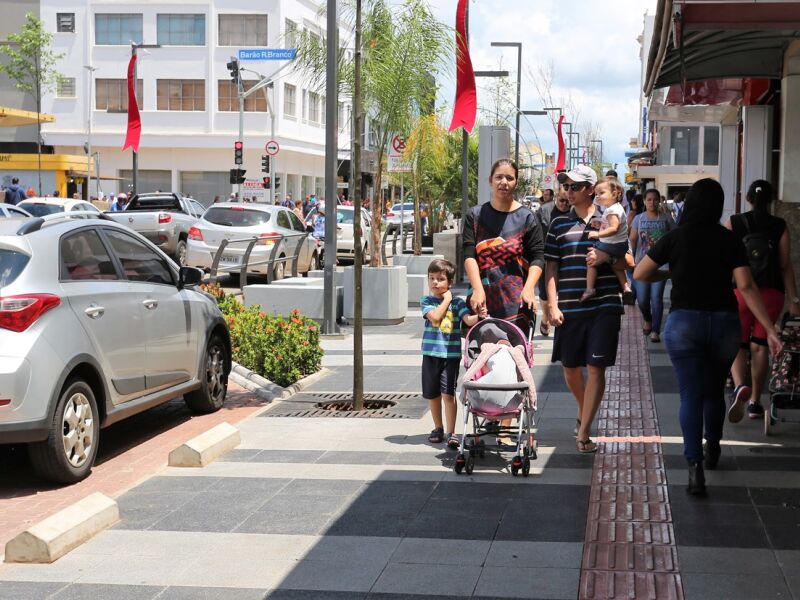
x=96, y=325
x=41, y=207
x=242, y=221
x=345, y=238
x=10, y=211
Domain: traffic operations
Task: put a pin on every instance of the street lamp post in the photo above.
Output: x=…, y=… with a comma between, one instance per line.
x=575, y=147
x=134, y=51
x=568, y=164
x=90, y=69
x=518, y=46
x=601, y=149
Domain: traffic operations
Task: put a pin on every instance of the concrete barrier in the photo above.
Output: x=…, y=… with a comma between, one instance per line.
x=385, y=295
x=417, y=287
x=309, y=299
x=415, y=265
x=206, y=447
x=338, y=276
x=52, y=538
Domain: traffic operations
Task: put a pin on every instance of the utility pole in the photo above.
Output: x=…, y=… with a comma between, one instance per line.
x=134, y=52
x=90, y=70
x=330, y=326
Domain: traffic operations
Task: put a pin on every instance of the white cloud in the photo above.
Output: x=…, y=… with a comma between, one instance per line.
x=591, y=44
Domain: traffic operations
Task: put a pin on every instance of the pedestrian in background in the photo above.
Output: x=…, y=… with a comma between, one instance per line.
x=552, y=206
x=702, y=332
x=14, y=192
x=298, y=210
x=441, y=349
x=767, y=243
x=646, y=230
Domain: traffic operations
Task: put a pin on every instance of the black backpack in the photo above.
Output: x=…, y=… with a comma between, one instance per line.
x=760, y=254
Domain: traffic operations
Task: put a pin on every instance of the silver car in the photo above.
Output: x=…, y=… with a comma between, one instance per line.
x=96, y=325
x=9, y=211
x=239, y=221
x=345, y=236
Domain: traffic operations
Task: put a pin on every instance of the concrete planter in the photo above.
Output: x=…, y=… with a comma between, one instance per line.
x=415, y=265
x=448, y=244
x=384, y=294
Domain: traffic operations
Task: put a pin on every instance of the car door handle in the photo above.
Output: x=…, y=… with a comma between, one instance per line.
x=150, y=303
x=95, y=311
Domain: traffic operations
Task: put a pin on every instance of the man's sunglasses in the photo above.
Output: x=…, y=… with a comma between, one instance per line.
x=575, y=187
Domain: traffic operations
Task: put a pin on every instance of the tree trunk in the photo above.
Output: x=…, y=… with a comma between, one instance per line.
x=358, y=326
x=39, y=123
x=377, y=213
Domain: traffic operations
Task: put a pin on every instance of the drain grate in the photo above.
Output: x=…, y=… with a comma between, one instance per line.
x=384, y=405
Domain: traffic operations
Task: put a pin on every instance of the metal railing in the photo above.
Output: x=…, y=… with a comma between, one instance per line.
x=395, y=233
x=273, y=259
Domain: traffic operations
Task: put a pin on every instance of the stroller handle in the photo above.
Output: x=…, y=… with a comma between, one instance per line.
x=474, y=385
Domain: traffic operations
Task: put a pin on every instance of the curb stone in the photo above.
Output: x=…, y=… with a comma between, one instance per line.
x=269, y=391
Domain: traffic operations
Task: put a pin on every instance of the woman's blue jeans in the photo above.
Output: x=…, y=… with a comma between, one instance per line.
x=701, y=346
x=650, y=297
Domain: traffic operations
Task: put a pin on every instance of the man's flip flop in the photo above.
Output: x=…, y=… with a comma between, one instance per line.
x=586, y=446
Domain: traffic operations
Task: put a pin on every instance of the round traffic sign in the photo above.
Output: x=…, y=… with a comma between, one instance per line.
x=272, y=147
x=399, y=143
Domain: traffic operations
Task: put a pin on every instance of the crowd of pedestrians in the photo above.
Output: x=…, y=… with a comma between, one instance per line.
x=584, y=245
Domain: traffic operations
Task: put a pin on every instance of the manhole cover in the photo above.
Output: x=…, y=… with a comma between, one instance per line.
x=388, y=405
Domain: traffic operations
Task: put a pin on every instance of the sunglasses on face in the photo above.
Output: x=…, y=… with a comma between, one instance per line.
x=575, y=187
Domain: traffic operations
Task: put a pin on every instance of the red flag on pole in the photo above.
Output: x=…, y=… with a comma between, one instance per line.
x=466, y=105
x=134, y=121
x=560, y=161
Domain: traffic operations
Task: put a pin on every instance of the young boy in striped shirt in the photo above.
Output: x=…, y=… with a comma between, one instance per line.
x=441, y=348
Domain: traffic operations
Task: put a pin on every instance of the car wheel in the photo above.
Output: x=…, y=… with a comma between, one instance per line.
x=214, y=380
x=68, y=453
x=279, y=270
x=180, y=253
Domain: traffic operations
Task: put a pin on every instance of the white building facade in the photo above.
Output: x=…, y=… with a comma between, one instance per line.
x=188, y=103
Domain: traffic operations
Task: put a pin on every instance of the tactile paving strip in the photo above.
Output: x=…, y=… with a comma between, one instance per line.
x=630, y=547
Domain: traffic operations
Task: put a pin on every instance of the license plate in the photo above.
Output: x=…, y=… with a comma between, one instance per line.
x=230, y=260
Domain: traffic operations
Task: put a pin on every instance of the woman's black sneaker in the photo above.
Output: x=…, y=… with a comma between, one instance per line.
x=697, y=479
x=711, y=454
x=755, y=410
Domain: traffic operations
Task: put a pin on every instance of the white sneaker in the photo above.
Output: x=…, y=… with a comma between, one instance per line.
x=740, y=396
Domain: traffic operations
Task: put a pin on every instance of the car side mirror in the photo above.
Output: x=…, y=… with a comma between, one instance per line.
x=188, y=277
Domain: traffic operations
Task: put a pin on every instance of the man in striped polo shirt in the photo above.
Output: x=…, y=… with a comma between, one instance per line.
x=586, y=332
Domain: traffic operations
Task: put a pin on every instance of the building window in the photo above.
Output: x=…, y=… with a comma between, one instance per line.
x=313, y=107
x=112, y=94
x=65, y=87
x=684, y=145
x=181, y=94
x=182, y=30
x=243, y=30
x=289, y=100
x=711, y=146
x=291, y=34
x=228, y=97
x=117, y=29
x=65, y=22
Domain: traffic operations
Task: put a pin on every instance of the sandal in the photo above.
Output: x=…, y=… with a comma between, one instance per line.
x=586, y=446
x=647, y=330
x=655, y=338
x=544, y=328
x=577, y=427
x=453, y=442
x=436, y=436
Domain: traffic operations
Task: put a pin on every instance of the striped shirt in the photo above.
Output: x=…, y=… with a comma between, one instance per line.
x=567, y=244
x=444, y=340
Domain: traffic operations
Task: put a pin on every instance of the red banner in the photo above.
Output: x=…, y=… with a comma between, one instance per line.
x=466, y=105
x=134, y=120
x=560, y=161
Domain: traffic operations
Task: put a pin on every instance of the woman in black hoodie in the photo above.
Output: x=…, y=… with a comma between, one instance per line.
x=702, y=331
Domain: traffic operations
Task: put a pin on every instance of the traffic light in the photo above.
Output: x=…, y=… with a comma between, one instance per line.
x=266, y=183
x=277, y=182
x=238, y=150
x=237, y=175
x=265, y=163
x=233, y=67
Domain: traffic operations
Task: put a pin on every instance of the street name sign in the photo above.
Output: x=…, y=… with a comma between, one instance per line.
x=267, y=53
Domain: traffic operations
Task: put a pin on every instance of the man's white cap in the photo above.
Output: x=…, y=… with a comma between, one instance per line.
x=579, y=174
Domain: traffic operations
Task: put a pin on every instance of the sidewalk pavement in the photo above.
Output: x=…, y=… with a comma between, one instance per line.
x=366, y=508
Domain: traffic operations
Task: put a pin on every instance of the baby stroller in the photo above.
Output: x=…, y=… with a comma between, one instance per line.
x=498, y=385
x=784, y=379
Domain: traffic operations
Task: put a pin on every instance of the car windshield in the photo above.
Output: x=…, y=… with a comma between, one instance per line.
x=236, y=216
x=41, y=209
x=12, y=263
x=345, y=216
x=406, y=206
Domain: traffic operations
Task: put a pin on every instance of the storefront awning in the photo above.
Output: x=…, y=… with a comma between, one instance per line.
x=13, y=117
x=714, y=39
x=82, y=175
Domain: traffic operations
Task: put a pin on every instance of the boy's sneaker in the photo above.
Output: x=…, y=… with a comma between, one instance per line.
x=755, y=410
x=740, y=396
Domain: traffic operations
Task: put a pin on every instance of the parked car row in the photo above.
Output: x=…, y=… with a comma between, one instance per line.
x=96, y=324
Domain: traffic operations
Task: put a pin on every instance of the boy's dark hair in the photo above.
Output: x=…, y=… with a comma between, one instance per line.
x=440, y=265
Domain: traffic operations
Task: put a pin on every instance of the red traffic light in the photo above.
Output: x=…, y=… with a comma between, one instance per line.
x=238, y=145
x=266, y=182
x=238, y=151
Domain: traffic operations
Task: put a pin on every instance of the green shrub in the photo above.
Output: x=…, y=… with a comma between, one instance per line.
x=282, y=349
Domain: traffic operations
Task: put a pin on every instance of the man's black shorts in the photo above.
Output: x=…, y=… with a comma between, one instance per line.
x=582, y=341
x=439, y=376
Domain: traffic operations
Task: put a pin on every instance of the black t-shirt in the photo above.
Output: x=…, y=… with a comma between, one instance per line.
x=773, y=228
x=701, y=262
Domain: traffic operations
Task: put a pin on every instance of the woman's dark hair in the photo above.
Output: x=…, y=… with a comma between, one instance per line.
x=703, y=204
x=637, y=203
x=759, y=194
x=504, y=161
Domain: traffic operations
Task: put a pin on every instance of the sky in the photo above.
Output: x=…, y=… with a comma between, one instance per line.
x=594, y=51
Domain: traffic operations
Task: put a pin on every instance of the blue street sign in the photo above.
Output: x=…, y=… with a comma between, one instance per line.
x=267, y=53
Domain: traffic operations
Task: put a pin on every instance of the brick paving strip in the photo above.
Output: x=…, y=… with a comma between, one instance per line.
x=630, y=549
x=138, y=450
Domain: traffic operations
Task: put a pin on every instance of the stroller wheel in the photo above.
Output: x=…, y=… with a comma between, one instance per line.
x=516, y=465
x=459, y=464
x=470, y=464
x=526, y=466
